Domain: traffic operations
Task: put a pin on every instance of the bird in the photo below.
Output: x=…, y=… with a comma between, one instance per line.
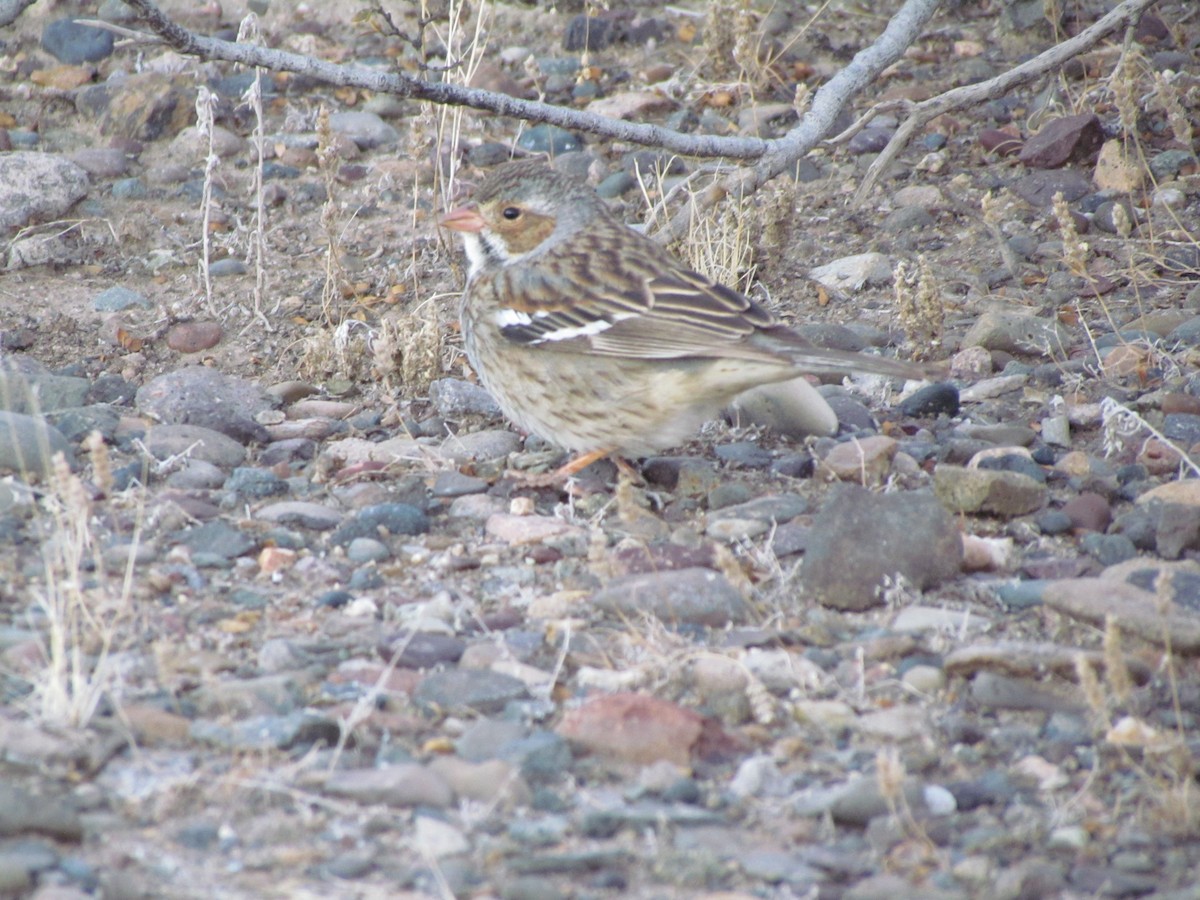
x=597, y=339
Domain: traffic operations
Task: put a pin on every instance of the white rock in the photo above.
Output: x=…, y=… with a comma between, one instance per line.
x=850, y=273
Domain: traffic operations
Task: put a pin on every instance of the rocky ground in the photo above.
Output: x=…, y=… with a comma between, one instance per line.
x=278, y=623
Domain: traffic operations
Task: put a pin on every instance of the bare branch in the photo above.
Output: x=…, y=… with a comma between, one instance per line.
x=1122, y=16
x=192, y=44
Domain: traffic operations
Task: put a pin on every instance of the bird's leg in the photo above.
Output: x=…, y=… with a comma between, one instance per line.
x=579, y=463
x=568, y=470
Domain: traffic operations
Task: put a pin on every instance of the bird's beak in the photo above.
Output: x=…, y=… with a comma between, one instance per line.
x=464, y=218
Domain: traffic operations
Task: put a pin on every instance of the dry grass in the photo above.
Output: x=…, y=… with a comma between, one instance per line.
x=1161, y=760
x=84, y=609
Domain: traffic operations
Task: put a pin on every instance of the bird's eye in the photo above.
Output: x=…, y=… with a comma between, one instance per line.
x=511, y=212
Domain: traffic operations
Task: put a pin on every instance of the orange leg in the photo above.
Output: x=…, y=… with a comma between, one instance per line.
x=567, y=470
x=579, y=463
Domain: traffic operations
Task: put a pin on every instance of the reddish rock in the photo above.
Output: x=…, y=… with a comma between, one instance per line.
x=1181, y=403
x=192, y=337
x=1089, y=512
x=634, y=727
x=1062, y=140
x=1000, y=142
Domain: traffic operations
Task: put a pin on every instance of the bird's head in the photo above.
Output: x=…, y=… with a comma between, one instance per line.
x=522, y=209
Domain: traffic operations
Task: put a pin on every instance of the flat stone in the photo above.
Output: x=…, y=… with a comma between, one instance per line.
x=407, y=784
x=194, y=442
x=696, y=596
x=1015, y=332
x=852, y=273
x=1136, y=611
x=993, y=491
x=866, y=461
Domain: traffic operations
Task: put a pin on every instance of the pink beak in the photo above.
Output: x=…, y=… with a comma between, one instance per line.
x=464, y=218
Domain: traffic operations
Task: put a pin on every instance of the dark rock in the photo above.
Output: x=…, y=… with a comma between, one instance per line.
x=421, y=649
x=1038, y=188
x=871, y=139
x=859, y=539
x=72, y=43
x=1108, y=549
x=383, y=518
x=1053, y=521
x=588, y=33
x=1062, y=140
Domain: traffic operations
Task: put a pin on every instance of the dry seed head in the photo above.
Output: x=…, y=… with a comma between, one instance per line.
x=1116, y=672
x=1074, y=250
x=801, y=99
x=762, y=704
x=409, y=346
x=990, y=207
x=778, y=216
x=1167, y=94
x=101, y=463
x=1093, y=693
x=720, y=37
x=889, y=772
x=1124, y=89
x=1121, y=222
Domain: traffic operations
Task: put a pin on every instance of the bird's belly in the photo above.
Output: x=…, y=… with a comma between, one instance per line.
x=627, y=406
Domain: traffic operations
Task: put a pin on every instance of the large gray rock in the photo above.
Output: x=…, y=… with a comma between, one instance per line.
x=37, y=186
x=860, y=539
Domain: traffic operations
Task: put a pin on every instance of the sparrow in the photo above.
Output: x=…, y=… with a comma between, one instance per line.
x=594, y=337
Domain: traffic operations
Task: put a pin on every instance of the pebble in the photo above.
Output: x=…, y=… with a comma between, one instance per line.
x=866, y=462
x=1061, y=140
x=692, y=596
x=790, y=408
x=454, y=398
x=202, y=396
x=117, y=298
x=222, y=268
x=480, y=691
x=636, y=728
x=549, y=139
x=397, y=785
x=381, y=519
x=518, y=530
x=366, y=129
x=1016, y=333
x=480, y=445
x=941, y=398
x=192, y=337
x=194, y=442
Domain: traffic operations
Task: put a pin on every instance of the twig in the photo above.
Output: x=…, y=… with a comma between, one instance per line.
x=1121, y=16
x=191, y=44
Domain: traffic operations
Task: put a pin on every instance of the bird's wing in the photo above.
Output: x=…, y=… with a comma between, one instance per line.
x=631, y=310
